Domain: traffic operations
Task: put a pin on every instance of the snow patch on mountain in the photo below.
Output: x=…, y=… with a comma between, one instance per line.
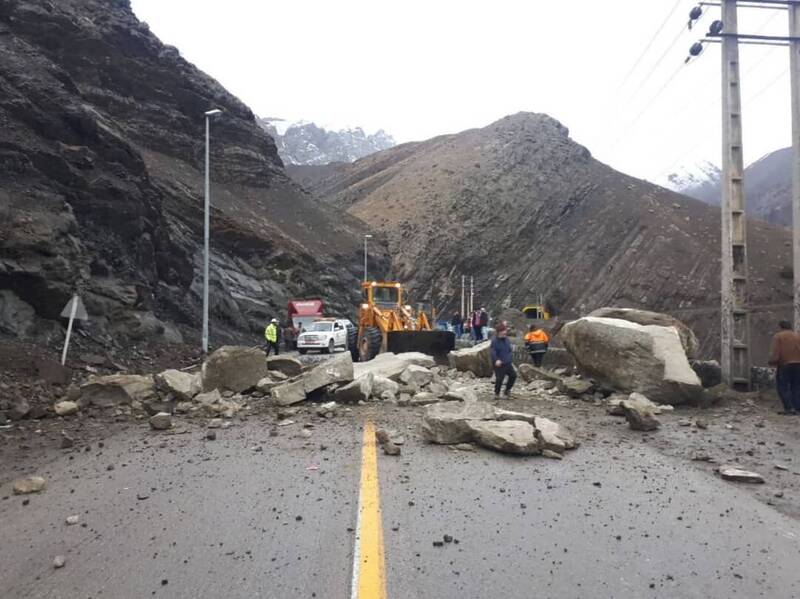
x=305, y=142
x=699, y=181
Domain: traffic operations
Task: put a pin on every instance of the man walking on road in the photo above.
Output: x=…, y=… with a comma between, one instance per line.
x=502, y=361
x=271, y=335
x=458, y=327
x=483, y=323
x=785, y=354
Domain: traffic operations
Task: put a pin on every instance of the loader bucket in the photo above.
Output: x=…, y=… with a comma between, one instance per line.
x=434, y=343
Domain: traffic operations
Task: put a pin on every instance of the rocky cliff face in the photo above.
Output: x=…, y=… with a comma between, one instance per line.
x=101, y=187
x=308, y=143
x=527, y=211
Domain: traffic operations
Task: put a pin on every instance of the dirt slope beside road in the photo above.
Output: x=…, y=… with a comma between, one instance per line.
x=528, y=211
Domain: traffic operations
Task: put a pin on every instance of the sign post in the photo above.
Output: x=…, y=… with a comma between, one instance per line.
x=73, y=310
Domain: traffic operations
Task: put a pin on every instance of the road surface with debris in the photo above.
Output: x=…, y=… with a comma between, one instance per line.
x=273, y=511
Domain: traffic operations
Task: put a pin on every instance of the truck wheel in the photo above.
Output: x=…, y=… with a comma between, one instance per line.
x=370, y=344
x=331, y=347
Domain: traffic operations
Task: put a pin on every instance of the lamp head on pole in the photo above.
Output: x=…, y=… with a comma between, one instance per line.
x=367, y=236
x=213, y=113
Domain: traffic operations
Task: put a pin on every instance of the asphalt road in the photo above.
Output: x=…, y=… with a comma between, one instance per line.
x=255, y=515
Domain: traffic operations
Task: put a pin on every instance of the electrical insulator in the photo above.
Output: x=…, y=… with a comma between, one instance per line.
x=716, y=28
x=696, y=49
x=696, y=13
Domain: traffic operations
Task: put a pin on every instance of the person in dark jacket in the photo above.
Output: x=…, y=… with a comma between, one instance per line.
x=502, y=361
x=458, y=327
x=483, y=324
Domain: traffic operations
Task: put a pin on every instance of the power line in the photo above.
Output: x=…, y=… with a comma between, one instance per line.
x=747, y=103
x=649, y=45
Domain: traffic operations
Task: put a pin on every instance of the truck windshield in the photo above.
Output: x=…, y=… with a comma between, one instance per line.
x=321, y=326
x=385, y=295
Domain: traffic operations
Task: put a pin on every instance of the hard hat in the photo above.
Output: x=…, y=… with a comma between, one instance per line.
x=275, y=320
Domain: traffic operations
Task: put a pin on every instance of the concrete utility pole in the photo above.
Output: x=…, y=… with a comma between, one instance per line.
x=366, y=237
x=471, y=294
x=735, y=321
x=207, y=225
x=794, y=69
x=463, y=279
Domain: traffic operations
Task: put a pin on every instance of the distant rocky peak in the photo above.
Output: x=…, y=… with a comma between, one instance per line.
x=304, y=142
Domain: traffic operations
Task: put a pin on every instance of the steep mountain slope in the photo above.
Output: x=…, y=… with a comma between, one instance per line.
x=308, y=143
x=101, y=187
x=767, y=187
x=527, y=211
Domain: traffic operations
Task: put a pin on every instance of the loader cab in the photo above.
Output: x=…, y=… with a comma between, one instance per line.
x=386, y=296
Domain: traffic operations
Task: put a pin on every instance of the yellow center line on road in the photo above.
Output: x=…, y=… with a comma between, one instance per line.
x=369, y=570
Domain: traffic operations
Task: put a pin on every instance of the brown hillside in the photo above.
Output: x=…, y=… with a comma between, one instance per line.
x=528, y=211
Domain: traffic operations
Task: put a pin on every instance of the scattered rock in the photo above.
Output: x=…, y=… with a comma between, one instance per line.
x=460, y=395
x=72, y=520
x=708, y=371
x=288, y=394
x=338, y=369
x=416, y=375
x=182, y=385
x=549, y=453
x=734, y=473
x=391, y=366
x=65, y=408
x=286, y=365
x=420, y=399
x=355, y=391
x=575, y=387
x=326, y=409
x=59, y=561
x=390, y=448
x=66, y=440
x=215, y=423
x=507, y=436
x=118, y=389
x=161, y=421
x=639, y=418
x=381, y=385
x=19, y=409
x=476, y=359
x=464, y=447
x=28, y=485
x=211, y=435
x=553, y=436
x=234, y=368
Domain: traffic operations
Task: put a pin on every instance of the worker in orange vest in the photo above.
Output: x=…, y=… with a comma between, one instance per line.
x=536, y=341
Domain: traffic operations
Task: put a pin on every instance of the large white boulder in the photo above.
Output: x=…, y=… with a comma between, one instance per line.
x=289, y=393
x=689, y=340
x=234, y=368
x=338, y=369
x=507, y=436
x=288, y=365
x=631, y=357
x=476, y=359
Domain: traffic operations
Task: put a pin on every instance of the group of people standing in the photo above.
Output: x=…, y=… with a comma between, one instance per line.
x=476, y=325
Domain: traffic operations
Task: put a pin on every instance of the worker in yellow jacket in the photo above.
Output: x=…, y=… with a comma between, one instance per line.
x=537, y=341
x=271, y=335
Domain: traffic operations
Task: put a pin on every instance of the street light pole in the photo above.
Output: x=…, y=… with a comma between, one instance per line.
x=207, y=225
x=367, y=236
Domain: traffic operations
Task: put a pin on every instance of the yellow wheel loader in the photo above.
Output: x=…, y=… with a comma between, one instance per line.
x=385, y=323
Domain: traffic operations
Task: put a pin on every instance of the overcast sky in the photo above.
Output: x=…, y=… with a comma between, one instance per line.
x=422, y=68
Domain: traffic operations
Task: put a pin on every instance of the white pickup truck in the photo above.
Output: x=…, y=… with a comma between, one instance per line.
x=324, y=335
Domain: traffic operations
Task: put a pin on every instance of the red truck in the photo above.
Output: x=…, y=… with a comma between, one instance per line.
x=302, y=313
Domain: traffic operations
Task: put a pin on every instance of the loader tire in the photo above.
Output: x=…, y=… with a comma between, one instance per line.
x=370, y=344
